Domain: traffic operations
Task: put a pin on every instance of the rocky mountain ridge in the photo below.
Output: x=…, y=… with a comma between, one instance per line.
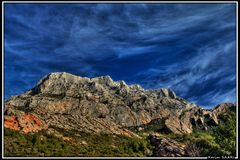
x=94, y=105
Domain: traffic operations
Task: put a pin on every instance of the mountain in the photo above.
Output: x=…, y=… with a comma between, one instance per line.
x=62, y=101
x=101, y=105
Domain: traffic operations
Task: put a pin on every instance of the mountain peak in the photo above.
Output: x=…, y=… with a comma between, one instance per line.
x=102, y=105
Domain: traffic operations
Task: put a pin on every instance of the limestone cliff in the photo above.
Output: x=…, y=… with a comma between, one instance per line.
x=100, y=104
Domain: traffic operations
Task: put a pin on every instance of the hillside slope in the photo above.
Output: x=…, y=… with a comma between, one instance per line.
x=64, y=102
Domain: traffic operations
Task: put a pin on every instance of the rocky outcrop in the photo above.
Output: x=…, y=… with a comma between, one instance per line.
x=223, y=108
x=24, y=122
x=166, y=147
x=100, y=104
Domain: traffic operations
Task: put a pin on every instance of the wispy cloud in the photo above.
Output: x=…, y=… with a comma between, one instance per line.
x=190, y=48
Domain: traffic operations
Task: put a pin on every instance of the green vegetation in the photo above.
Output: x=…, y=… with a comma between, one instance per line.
x=41, y=144
x=225, y=133
x=219, y=141
x=204, y=143
x=17, y=144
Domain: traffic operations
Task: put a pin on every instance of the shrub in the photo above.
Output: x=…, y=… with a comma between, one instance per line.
x=192, y=150
x=225, y=133
x=42, y=144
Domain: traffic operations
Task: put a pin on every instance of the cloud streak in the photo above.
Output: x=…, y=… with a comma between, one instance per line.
x=190, y=48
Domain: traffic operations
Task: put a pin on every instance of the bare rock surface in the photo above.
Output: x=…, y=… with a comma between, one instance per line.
x=24, y=122
x=100, y=104
x=166, y=147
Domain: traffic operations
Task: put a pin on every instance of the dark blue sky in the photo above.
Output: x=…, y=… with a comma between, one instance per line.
x=189, y=48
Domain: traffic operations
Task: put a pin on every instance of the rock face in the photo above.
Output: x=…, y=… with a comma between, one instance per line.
x=165, y=147
x=99, y=104
x=24, y=122
x=223, y=108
